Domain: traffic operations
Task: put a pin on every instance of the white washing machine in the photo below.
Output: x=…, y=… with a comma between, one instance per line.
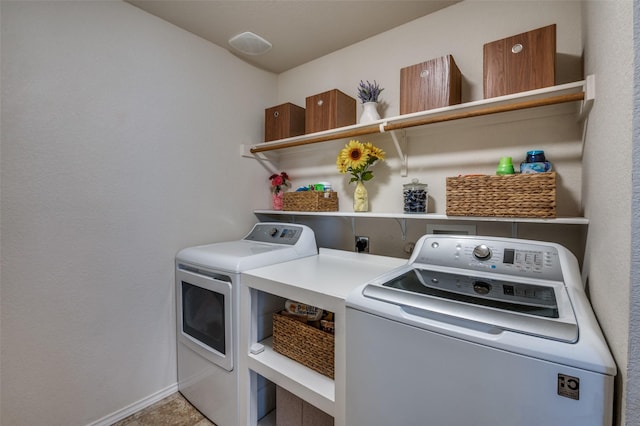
x=207, y=292
x=477, y=331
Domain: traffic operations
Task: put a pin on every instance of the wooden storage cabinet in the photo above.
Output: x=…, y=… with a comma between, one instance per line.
x=432, y=84
x=329, y=110
x=283, y=121
x=519, y=63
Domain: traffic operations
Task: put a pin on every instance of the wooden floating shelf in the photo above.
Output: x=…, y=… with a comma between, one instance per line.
x=580, y=91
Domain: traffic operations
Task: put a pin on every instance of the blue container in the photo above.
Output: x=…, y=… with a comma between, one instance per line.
x=538, y=167
x=536, y=156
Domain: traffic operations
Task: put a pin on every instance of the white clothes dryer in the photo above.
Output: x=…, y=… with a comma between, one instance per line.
x=207, y=292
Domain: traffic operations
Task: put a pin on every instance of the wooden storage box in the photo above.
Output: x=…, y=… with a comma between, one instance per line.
x=303, y=343
x=310, y=201
x=283, y=121
x=292, y=410
x=519, y=63
x=432, y=84
x=329, y=110
x=519, y=195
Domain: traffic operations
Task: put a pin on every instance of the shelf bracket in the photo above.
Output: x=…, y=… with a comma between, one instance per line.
x=403, y=227
x=401, y=147
x=514, y=229
x=589, y=97
x=270, y=164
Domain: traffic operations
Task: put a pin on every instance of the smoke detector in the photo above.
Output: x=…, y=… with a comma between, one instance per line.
x=250, y=43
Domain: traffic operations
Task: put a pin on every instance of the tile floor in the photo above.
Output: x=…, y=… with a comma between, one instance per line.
x=174, y=410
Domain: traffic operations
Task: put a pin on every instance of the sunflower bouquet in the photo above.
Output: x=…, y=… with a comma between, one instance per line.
x=356, y=158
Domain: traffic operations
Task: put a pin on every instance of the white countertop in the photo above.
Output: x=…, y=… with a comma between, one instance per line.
x=324, y=279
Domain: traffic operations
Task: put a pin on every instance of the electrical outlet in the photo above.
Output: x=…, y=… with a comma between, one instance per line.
x=362, y=244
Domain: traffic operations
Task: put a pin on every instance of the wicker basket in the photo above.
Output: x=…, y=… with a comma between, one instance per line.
x=519, y=195
x=303, y=343
x=311, y=201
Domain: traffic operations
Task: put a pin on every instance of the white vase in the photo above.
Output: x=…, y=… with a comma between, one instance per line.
x=369, y=112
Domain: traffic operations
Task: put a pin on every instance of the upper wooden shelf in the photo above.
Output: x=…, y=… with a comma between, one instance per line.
x=580, y=91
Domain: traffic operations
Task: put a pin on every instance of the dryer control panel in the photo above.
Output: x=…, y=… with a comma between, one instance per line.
x=498, y=255
x=278, y=233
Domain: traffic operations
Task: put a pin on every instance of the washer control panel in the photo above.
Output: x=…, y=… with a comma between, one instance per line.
x=275, y=233
x=499, y=255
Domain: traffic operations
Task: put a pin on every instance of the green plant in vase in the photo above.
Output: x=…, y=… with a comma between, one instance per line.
x=368, y=93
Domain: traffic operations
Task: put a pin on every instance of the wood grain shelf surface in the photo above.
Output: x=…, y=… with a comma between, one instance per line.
x=539, y=98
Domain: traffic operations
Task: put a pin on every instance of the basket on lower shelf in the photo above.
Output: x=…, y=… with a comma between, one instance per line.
x=303, y=343
x=311, y=201
x=519, y=195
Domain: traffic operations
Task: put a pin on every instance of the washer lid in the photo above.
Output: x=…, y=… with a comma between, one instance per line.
x=535, y=308
x=511, y=296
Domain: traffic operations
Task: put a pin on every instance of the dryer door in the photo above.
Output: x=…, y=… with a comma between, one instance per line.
x=205, y=315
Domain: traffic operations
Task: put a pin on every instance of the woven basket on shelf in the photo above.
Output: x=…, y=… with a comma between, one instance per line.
x=519, y=195
x=303, y=343
x=310, y=201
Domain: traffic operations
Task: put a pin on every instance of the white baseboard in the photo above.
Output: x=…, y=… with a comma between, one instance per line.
x=136, y=406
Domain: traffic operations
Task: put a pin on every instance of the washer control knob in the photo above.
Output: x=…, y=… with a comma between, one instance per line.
x=273, y=232
x=481, y=287
x=482, y=252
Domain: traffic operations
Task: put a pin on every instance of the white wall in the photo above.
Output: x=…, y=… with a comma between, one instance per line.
x=632, y=399
x=607, y=190
x=450, y=149
x=120, y=145
x=460, y=30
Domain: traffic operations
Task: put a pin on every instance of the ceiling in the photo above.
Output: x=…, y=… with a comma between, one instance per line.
x=299, y=30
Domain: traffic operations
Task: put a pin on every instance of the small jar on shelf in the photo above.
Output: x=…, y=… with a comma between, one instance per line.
x=416, y=197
